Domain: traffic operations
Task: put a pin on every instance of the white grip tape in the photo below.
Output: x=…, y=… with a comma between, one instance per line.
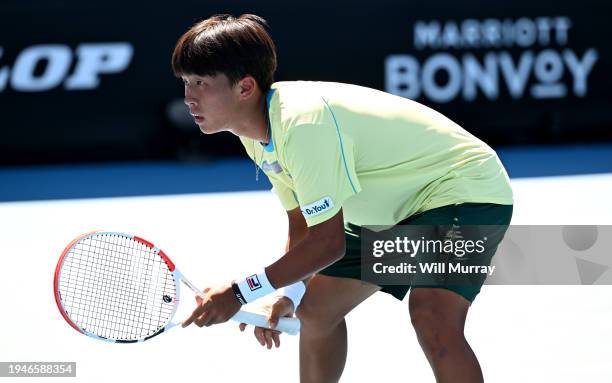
x=295, y=292
x=289, y=326
x=255, y=286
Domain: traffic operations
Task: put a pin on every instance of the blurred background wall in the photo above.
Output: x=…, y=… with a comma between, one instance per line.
x=91, y=81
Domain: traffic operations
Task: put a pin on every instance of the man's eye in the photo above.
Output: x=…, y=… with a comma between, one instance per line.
x=199, y=82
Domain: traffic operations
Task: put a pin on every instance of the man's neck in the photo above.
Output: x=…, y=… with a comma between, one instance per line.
x=254, y=122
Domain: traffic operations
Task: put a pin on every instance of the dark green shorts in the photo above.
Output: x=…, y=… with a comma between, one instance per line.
x=437, y=222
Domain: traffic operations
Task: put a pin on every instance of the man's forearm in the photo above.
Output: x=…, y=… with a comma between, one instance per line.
x=305, y=258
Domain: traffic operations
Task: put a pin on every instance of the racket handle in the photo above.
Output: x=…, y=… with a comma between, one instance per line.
x=290, y=326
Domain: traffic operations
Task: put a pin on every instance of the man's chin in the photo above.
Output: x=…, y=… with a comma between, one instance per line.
x=207, y=129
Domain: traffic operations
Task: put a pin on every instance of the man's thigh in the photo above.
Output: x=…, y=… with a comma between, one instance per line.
x=331, y=298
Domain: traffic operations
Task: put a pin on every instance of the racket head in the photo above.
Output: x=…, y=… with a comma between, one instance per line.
x=116, y=287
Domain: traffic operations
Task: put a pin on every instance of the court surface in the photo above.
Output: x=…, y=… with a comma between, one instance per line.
x=520, y=333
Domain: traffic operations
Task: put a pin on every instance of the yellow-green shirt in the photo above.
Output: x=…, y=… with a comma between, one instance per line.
x=379, y=157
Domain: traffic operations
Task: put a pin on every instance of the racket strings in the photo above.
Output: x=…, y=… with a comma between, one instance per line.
x=134, y=290
x=117, y=288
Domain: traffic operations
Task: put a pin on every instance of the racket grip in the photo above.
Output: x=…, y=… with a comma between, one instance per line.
x=290, y=326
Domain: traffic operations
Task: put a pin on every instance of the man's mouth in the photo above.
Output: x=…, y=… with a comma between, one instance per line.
x=197, y=118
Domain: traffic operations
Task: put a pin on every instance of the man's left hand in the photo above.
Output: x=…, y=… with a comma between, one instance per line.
x=218, y=306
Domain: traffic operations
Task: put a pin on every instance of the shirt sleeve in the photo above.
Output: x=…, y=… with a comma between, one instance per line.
x=322, y=166
x=284, y=194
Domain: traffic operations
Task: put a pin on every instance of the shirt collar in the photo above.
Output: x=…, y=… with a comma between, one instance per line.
x=269, y=147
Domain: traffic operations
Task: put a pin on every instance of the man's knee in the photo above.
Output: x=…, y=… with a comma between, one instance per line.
x=328, y=300
x=434, y=322
x=316, y=317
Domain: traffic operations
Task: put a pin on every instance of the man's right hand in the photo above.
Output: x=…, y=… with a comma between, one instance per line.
x=279, y=307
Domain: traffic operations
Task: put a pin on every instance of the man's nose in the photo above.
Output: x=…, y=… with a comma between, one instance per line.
x=189, y=99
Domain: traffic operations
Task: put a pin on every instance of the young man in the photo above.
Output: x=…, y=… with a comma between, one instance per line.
x=340, y=157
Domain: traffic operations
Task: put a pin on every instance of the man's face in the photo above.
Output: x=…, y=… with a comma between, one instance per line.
x=211, y=101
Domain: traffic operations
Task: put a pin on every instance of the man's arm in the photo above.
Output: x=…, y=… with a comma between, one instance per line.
x=298, y=230
x=322, y=245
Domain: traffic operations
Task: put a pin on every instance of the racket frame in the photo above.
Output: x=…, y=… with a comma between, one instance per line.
x=288, y=325
x=171, y=267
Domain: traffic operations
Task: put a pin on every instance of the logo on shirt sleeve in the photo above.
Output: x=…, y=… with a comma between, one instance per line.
x=317, y=207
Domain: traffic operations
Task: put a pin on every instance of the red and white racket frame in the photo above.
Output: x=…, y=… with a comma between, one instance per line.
x=287, y=325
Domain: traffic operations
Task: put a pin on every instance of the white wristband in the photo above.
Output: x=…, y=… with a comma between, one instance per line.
x=295, y=292
x=255, y=286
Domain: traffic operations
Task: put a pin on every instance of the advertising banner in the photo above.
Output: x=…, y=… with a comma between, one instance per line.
x=92, y=81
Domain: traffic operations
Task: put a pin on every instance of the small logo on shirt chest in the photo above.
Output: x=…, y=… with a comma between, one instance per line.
x=273, y=167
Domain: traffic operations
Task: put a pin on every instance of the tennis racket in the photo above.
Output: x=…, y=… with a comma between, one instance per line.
x=121, y=288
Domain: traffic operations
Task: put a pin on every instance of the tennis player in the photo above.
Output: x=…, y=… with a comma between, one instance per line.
x=341, y=157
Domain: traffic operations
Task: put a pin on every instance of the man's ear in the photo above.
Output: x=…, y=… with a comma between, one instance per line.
x=247, y=87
